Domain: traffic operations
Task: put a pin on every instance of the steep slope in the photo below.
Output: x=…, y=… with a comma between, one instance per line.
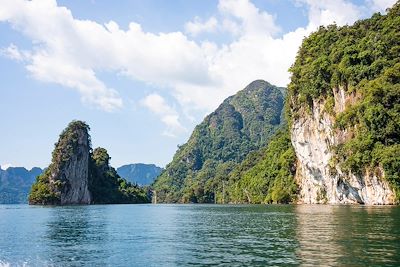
x=15, y=183
x=66, y=180
x=78, y=176
x=106, y=186
x=345, y=109
x=241, y=124
x=266, y=175
x=139, y=173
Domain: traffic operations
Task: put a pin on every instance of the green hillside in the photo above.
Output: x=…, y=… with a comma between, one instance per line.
x=241, y=124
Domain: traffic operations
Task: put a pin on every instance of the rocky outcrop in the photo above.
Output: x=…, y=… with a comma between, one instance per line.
x=78, y=175
x=66, y=180
x=313, y=137
x=74, y=172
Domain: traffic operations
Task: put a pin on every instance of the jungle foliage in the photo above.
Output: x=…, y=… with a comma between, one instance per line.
x=364, y=60
x=242, y=124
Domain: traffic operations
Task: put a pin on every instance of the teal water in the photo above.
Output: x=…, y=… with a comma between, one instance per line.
x=199, y=235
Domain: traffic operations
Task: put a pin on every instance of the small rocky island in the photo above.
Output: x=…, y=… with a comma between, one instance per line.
x=80, y=175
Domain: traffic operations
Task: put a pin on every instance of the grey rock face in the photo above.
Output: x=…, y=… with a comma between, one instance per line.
x=74, y=175
x=313, y=138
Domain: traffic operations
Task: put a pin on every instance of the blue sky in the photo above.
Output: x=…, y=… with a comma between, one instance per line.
x=142, y=74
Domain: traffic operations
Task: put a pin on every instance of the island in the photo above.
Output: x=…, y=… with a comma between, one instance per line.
x=79, y=175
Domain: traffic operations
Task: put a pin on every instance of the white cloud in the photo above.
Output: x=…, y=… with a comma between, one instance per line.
x=168, y=115
x=197, y=26
x=199, y=74
x=251, y=19
x=381, y=5
x=12, y=52
x=5, y=166
x=325, y=12
x=61, y=52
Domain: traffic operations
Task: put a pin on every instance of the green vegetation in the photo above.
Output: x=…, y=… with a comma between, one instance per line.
x=243, y=123
x=267, y=176
x=107, y=187
x=364, y=60
x=43, y=192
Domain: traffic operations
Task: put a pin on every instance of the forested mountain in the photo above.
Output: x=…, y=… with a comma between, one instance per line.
x=241, y=124
x=267, y=175
x=139, y=173
x=341, y=142
x=15, y=183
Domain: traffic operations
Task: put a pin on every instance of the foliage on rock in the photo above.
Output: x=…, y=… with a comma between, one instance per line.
x=105, y=185
x=364, y=60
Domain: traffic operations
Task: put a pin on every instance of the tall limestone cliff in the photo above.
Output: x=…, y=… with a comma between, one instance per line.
x=66, y=180
x=78, y=176
x=314, y=138
x=344, y=100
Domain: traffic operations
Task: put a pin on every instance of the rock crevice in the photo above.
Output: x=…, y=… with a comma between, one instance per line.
x=313, y=138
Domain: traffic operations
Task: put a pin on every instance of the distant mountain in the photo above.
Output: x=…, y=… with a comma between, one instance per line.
x=15, y=183
x=243, y=123
x=142, y=174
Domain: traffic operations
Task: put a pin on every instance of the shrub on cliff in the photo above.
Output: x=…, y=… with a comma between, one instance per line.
x=364, y=60
x=104, y=184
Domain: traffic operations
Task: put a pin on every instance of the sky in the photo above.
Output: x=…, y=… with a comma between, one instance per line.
x=142, y=73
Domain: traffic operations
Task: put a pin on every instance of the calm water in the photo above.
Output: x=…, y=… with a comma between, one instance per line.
x=182, y=235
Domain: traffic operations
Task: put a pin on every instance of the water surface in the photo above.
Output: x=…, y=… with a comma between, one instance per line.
x=199, y=235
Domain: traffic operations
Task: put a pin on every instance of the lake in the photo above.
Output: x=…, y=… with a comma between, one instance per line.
x=199, y=235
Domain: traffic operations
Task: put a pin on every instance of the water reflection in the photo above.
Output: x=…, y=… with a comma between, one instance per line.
x=76, y=235
x=348, y=235
x=237, y=236
x=185, y=235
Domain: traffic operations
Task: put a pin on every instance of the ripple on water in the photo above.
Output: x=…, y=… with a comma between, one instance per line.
x=182, y=235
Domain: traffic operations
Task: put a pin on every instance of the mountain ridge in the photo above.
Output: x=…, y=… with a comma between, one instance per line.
x=242, y=123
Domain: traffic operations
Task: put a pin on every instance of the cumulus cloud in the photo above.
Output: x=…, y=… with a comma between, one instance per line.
x=251, y=20
x=168, y=115
x=69, y=51
x=381, y=5
x=325, y=12
x=196, y=26
x=12, y=52
x=199, y=74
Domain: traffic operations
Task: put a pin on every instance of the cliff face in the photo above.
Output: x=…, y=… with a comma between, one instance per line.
x=66, y=180
x=343, y=102
x=74, y=172
x=320, y=180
